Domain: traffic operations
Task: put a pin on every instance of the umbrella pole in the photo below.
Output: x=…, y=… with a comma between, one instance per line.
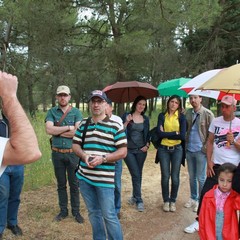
x=230, y=124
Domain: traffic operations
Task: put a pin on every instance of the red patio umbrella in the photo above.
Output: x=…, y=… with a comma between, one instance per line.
x=122, y=92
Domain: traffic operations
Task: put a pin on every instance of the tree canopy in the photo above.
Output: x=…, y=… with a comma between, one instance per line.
x=91, y=44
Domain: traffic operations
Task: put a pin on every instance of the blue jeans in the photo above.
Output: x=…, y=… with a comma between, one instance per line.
x=170, y=164
x=117, y=179
x=197, y=163
x=64, y=167
x=101, y=211
x=135, y=161
x=11, y=183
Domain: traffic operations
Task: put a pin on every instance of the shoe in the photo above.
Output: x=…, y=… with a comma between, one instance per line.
x=16, y=230
x=140, y=207
x=119, y=215
x=166, y=207
x=79, y=218
x=192, y=228
x=195, y=207
x=172, y=207
x=60, y=217
x=189, y=203
x=132, y=201
x=1, y=236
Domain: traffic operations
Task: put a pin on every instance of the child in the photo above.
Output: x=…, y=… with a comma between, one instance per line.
x=218, y=217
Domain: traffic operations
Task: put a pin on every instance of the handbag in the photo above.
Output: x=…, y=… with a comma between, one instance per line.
x=83, y=139
x=154, y=137
x=58, y=123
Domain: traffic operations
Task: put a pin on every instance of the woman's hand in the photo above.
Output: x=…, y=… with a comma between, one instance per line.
x=145, y=148
x=129, y=118
x=161, y=128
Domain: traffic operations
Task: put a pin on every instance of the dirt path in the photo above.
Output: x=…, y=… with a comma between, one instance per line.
x=39, y=207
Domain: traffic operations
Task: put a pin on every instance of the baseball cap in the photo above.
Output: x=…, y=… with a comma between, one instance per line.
x=229, y=100
x=98, y=93
x=63, y=89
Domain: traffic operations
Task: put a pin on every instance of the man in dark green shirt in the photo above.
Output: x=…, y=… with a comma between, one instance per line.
x=63, y=158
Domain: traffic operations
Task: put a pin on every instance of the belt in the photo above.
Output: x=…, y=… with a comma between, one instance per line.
x=67, y=150
x=170, y=147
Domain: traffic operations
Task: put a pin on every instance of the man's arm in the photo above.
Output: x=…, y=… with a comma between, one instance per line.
x=210, y=141
x=70, y=134
x=59, y=130
x=22, y=147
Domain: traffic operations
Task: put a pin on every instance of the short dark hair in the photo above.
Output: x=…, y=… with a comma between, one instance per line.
x=227, y=168
x=138, y=99
x=109, y=101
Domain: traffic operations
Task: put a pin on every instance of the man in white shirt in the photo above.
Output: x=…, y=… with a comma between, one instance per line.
x=118, y=164
x=223, y=145
x=22, y=146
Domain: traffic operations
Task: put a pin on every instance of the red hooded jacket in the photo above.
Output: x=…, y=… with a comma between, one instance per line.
x=207, y=216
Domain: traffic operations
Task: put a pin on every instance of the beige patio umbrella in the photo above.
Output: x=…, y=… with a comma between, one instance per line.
x=227, y=80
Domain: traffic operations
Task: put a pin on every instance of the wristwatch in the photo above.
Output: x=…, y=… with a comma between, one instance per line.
x=104, y=159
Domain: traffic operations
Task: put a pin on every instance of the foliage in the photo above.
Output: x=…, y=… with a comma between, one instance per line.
x=90, y=44
x=40, y=173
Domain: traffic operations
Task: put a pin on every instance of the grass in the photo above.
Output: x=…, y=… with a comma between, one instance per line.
x=40, y=173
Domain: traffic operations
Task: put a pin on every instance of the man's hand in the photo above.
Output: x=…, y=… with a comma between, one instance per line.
x=8, y=85
x=230, y=137
x=210, y=171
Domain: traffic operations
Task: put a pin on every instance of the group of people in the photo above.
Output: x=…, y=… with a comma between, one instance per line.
x=211, y=147
x=96, y=146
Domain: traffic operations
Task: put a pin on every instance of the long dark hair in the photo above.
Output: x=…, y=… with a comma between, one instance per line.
x=179, y=106
x=138, y=99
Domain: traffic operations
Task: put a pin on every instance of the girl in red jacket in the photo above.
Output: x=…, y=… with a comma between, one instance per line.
x=218, y=217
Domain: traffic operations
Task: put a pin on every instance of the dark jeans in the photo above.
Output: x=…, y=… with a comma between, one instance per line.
x=170, y=164
x=64, y=168
x=11, y=183
x=118, y=185
x=211, y=181
x=135, y=161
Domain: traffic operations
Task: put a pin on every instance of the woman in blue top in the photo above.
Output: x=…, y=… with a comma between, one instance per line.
x=171, y=129
x=137, y=131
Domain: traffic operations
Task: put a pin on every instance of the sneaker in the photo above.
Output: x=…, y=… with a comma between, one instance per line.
x=132, y=201
x=195, y=207
x=166, y=207
x=192, y=228
x=172, y=207
x=119, y=215
x=140, y=207
x=16, y=230
x=79, y=218
x=60, y=217
x=189, y=203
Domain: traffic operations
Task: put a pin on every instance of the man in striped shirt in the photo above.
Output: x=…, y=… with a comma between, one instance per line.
x=105, y=142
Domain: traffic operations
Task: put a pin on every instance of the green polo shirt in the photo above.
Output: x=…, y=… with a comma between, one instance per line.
x=54, y=115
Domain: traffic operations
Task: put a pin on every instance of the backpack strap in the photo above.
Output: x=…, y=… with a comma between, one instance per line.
x=83, y=139
x=63, y=116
